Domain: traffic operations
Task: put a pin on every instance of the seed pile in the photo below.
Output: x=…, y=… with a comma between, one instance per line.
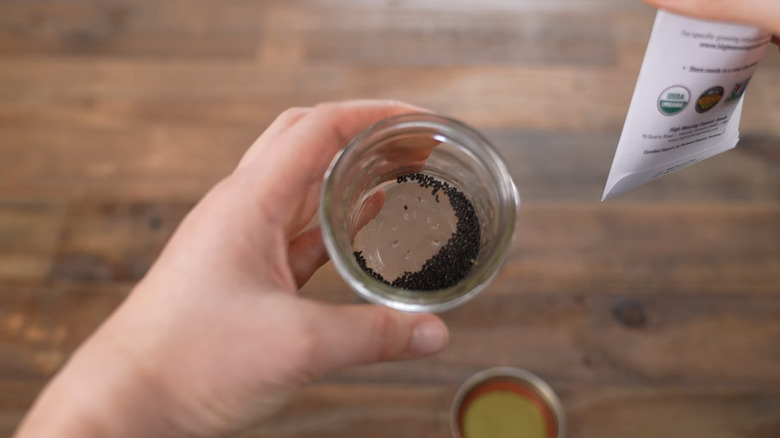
x=454, y=260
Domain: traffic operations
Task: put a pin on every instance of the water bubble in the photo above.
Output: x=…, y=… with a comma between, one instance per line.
x=435, y=226
x=435, y=243
x=394, y=244
x=414, y=214
x=408, y=254
x=394, y=228
x=406, y=215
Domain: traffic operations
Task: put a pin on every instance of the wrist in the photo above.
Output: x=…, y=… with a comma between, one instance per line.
x=101, y=392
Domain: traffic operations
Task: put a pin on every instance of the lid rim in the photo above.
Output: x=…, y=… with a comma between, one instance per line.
x=531, y=380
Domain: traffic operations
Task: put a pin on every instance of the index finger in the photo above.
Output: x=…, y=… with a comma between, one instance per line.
x=761, y=13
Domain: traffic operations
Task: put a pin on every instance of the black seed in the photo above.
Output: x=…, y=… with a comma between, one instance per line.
x=455, y=259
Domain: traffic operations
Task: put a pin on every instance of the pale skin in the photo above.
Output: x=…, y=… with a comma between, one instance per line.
x=762, y=13
x=215, y=338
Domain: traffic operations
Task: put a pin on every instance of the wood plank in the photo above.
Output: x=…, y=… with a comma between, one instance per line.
x=186, y=29
x=194, y=79
x=662, y=249
x=368, y=410
x=203, y=29
x=388, y=412
x=110, y=93
x=29, y=236
x=707, y=249
x=376, y=35
x=473, y=39
x=192, y=16
x=383, y=411
x=41, y=326
x=157, y=163
x=583, y=336
x=330, y=28
x=88, y=29
x=497, y=5
x=328, y=410
x=762, y=104
x=152, y=163
x=110, y=243
x=661, y=412
x=33, y=18
x=567, y=166
x=93, y=43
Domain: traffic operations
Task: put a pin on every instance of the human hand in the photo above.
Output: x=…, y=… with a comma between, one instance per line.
x=761, y=13
x=215, y=338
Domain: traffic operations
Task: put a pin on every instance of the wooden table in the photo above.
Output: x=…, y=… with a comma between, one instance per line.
x=654, y=315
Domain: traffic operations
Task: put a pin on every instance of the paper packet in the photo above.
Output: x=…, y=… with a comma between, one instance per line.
x=688, y=98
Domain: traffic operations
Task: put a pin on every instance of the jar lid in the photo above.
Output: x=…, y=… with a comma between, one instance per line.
x=506, y=402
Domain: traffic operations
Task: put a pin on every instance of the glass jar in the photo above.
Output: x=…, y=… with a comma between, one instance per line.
x=451, y=152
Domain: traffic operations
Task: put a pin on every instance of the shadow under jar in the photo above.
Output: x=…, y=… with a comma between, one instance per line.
x=418, y=213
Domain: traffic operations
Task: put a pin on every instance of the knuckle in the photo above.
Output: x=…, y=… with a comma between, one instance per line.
x=394, y=103
x=331, y=115
x=290, y=115
x=299, y=353
x=304, y=345
x=325, y=108
x=384, y=330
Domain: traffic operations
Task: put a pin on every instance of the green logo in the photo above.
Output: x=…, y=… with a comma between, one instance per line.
x=738, y=91
x=673, y=100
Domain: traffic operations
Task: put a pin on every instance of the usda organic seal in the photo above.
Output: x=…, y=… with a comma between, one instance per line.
x=673, y=100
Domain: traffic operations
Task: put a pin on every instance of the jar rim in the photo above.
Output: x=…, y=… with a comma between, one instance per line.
x=378, y=292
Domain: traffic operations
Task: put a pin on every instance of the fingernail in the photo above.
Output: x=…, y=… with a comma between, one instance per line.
x=428, y=337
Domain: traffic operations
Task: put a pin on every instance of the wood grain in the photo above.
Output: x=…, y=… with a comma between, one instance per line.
x=421, y=411
x=152, y=163
x=29, y=236
x=657, y=314
x=653, y=249
x=574, y=337
x=113, y=243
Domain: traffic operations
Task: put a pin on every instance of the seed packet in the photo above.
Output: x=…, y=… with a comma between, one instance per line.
x=688, y=98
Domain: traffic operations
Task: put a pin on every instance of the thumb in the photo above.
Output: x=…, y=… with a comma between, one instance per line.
x=762, y=13
x=362, y=334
